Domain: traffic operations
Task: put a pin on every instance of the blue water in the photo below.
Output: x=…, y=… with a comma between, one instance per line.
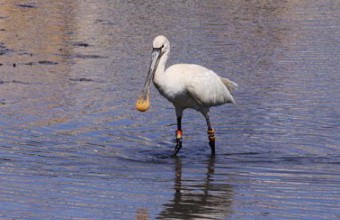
x=72, y=145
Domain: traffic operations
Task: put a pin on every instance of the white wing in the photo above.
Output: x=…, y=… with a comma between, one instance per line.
x=206, y=87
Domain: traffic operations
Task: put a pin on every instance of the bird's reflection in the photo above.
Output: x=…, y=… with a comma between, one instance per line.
x=206, y=198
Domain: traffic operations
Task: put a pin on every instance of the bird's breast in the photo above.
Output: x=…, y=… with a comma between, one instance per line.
x=169, y=89
x=171, y=86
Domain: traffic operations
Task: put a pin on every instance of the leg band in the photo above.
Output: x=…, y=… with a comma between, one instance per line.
x=178, y=142
x=179, y=134
x=211, y=135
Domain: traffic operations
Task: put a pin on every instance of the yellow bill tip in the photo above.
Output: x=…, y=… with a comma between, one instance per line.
x=142, y=105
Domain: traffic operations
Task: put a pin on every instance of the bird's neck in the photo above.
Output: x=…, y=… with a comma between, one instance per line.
x=159, y=74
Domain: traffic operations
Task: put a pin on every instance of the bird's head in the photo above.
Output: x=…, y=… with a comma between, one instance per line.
x=161, y=46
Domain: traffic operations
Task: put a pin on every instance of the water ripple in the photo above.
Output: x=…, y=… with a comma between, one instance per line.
x=72, y=145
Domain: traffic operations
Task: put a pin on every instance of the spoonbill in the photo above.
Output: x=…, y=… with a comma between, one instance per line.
x=185, y=86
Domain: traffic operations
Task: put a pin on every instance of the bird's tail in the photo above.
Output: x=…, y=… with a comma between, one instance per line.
x=231, y=86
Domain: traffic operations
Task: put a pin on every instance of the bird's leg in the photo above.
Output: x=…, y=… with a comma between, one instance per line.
x=179, y=135
x=211, y=135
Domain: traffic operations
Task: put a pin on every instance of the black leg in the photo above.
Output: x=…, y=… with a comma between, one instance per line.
x=179, y=135
x=179, y=123
x=211, y=135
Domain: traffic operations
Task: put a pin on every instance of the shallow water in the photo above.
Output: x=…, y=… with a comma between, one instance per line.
x=72, y=145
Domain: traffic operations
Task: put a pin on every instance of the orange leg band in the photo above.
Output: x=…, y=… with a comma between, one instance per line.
x=179, y=134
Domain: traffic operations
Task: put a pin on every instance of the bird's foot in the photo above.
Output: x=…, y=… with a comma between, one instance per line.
x=211, y=136
x=179, y=135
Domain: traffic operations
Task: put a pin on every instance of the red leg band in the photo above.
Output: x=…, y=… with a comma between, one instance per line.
x=179, y=134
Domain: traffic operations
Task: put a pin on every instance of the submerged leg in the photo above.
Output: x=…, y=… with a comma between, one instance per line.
x=211, y=134
x=179, y=135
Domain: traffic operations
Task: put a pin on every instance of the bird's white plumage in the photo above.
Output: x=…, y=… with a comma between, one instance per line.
x=190, y=85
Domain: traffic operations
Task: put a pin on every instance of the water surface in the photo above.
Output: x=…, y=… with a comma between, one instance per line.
x=72, y=145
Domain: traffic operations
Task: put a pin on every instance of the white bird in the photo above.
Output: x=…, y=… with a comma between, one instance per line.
x=185, y=86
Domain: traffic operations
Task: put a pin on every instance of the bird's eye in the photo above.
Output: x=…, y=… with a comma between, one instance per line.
x=162, y=46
